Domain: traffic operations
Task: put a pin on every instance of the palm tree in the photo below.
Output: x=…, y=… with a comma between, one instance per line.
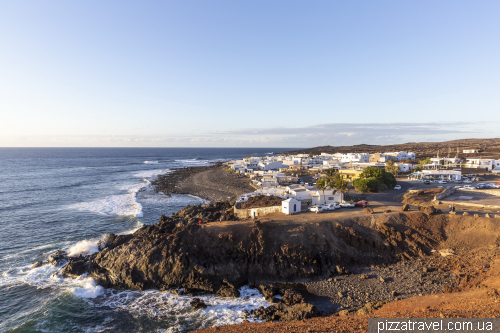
x=330, y=173
x=322, y=184
x=341, y=184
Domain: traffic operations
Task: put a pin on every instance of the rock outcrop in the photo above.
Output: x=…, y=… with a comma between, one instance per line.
x=178, y=253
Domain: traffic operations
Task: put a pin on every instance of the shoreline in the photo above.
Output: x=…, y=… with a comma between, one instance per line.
x=212, y=183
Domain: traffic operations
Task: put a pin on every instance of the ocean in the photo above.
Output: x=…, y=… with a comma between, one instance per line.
x=68, y=199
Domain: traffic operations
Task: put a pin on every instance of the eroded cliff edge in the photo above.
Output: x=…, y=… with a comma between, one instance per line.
x=218, y=258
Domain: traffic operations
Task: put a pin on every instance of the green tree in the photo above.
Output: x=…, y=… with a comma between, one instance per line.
x=330, y=173
x=311, y=154
x=391, y=167
x=374, y=179
x=322, y=184
x=341, y=185
x=424, y=161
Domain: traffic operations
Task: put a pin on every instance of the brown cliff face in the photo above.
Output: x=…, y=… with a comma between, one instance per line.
x=218, y=258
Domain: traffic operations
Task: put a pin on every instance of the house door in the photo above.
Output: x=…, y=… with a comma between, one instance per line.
x=294, y=207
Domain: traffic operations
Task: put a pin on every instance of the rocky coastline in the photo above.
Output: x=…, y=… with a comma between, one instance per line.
x=214, y=183
x=352, y=265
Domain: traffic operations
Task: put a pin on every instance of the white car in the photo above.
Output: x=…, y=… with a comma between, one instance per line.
x=442, y=182
x=397, y=187
x=347, y=204
x=468, y=187
x=316, y=209
x=332, y=206
x=467, y=181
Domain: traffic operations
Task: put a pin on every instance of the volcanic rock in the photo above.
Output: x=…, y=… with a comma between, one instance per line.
x=197, y=303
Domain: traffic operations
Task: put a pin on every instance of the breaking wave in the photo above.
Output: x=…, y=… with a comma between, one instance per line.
x=122, y=204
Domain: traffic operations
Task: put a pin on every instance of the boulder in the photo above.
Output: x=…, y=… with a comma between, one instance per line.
x=291, y=297
x=429, y=210
x=466, y=214
x=387, y=211
x=197, y=303
x=267, y=290
x=405, y=208
x=452, y=212
x=283, y=312
x=368, y=210
x=228, y=290
x=487, y=215
x=37, y=264
x=341, y=270
x=57, y=257
x=476, y=215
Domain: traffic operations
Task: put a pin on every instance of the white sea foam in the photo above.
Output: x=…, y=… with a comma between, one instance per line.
x=150, y=162
x=84, y=247
x=150, y=174
x=220, y=310
x=203, y=201
x=87, y=288
x=121, y=204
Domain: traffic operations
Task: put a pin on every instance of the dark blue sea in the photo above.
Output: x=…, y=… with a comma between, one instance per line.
x=67, y=199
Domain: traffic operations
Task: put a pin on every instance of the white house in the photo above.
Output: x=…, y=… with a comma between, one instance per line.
x=290, y=206
x=471, y=151
x=402, y=155
x=265, y=165
x=485, y=163
x=355, y=157
x=312, y=195
x=404, y=167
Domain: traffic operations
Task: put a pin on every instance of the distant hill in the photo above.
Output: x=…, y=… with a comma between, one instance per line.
x=488, y=148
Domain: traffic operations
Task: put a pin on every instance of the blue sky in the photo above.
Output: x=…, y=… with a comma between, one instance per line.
x=247, y=73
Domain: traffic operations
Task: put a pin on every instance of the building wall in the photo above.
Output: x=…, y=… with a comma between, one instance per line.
x=247, y=213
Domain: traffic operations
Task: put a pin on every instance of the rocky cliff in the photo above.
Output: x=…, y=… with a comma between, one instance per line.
x=218, y=258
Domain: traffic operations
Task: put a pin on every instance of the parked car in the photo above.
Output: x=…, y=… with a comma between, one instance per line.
x=442, y=182
x=316, y=209
x=347, y=204
x=458, y=186
x=459, y=182
x=467, y=181
x=332, y=206
x=479, y=178
x=397, y=187
x=362, y=204
x=468, y=187
x=427, y=182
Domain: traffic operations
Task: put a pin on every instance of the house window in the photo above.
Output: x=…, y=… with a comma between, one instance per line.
x=330, y=198
x=294, y=207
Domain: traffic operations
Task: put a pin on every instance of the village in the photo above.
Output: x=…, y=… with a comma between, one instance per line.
x=298, y=179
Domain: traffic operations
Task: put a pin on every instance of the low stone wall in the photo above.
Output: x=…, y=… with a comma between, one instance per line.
x=247, y=213
x=449, y=191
